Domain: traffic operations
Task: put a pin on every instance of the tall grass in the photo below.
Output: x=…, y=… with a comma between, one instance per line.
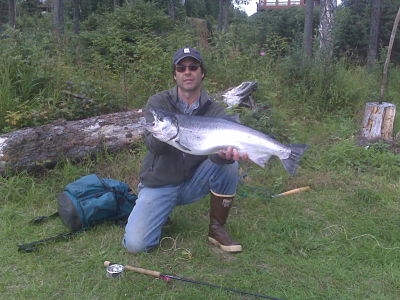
x=325, y=87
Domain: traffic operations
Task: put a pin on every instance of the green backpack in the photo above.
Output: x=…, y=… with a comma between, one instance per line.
x=88, y=201
x=91, y=200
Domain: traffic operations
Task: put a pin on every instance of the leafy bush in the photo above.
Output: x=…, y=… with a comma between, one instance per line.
x=285, y=23
x=136, y=43
x=26, y=75
x=35, y=70
x=120, y=59
x=324, y=87
x=114, y=38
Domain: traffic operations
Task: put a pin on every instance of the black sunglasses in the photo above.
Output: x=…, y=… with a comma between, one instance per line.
x=182, y=69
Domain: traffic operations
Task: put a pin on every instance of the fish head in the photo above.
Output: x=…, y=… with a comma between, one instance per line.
x=164, y=127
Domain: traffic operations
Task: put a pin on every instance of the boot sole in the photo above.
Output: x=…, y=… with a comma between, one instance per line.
x=231, y=249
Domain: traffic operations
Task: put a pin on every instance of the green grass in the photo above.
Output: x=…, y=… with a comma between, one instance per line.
x=338, y=241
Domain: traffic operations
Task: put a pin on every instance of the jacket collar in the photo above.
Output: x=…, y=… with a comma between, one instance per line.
x=204, y=99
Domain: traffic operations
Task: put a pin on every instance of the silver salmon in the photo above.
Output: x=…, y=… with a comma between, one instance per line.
x=200, y=135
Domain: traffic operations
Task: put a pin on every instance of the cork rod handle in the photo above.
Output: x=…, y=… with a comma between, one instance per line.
x=137, y=270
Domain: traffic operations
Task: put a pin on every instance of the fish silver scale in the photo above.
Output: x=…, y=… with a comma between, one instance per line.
x=205, y=135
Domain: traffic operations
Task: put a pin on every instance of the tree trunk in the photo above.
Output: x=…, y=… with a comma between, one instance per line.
x=220, y=5
x=327, y=10
x=225, y=18
x=378, y=121
x=373, y=34
x=43, y=146
x=308, y=20
x=172, y=8
x=389, y=52
x=77, y=16
x=3, y=13
x=115, y=4
x=223, y=15
x=12, y=12
x=58, y=16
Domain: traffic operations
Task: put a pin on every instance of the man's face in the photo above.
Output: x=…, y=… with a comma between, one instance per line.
x=188, y=74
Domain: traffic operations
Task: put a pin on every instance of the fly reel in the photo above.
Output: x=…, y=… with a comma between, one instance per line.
x=114, y=270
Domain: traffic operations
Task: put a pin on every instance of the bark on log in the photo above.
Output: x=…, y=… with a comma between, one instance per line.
x=43, y=146
x=239, y=95
x=378, y=121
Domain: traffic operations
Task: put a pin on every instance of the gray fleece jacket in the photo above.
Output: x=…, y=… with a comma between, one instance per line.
x=164, y=164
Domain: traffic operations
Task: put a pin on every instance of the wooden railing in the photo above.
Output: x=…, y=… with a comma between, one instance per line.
x=271, y=4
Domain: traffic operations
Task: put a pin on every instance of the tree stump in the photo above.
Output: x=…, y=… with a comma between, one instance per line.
x=43, y=146
x=201, y=29
x=378, y=121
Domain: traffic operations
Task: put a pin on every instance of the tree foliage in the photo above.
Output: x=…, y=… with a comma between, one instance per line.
x=353, y=28
x=287, y=24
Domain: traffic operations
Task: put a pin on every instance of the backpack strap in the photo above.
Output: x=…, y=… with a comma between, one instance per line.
x=122, y=195
x=42, y=219
x=30, y=247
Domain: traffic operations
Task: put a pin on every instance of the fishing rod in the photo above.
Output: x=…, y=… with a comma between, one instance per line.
x=115, y=270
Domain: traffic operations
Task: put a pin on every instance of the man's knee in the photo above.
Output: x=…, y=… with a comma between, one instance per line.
x=230, y=172
x=233, y=167
x=135, y=245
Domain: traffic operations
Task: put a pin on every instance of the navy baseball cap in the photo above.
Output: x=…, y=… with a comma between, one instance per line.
x=186, y=52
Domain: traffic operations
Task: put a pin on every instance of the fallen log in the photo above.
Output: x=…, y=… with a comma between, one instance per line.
x=239, y=96
x=43, y=146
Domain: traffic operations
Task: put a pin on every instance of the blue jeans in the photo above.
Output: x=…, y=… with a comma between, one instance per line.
x=153, y=206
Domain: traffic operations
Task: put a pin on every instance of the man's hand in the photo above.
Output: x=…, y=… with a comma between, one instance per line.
x=232, y=153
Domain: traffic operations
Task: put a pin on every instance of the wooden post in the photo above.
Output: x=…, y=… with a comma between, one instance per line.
x=389, y=52
x=378, y=121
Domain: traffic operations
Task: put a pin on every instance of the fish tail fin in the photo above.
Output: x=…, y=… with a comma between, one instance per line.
x=291, y=163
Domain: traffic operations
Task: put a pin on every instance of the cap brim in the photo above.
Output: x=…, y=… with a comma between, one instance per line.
x=191, y=56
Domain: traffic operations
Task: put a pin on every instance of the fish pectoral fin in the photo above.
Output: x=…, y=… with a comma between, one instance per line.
x=182, y=147
x=260, y=159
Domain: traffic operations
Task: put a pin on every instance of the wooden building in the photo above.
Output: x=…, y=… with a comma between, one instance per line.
x=276, y=4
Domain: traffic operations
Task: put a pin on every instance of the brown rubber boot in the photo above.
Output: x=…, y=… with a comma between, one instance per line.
x=217, y=235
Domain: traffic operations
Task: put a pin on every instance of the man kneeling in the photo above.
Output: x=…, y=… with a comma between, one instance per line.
x=170, y=177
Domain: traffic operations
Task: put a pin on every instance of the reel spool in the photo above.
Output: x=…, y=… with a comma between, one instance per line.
x=114, y=270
